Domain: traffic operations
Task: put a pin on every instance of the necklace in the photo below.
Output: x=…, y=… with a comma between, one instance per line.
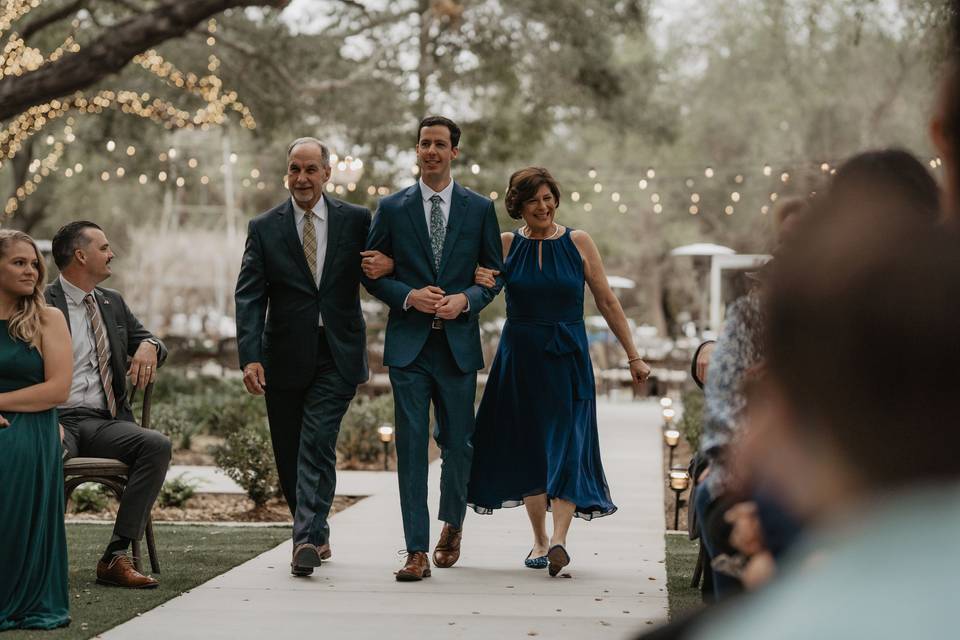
x=526, y=232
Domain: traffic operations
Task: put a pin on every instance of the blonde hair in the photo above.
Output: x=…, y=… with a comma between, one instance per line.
x=24, y=323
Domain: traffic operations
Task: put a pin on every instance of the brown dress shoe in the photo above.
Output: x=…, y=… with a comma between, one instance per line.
x=324, y=550
x=447, y=551
x=120, y=572
x=416, y=568
x=305, y=557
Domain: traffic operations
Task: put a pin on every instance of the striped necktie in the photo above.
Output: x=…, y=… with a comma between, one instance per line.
x=103, y=353
x=310, y=243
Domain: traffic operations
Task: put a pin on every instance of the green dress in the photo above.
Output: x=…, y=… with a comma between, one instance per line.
x=33, y=543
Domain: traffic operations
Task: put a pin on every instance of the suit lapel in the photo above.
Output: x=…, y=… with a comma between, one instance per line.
x=458, y=212
x=288, y=229
x=59, y=299
x=414, y=207
x=334, y=227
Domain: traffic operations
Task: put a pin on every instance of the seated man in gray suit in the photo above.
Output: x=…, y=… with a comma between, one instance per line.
x=97, y=420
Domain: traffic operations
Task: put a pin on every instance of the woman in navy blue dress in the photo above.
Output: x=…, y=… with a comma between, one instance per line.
x=536, y=439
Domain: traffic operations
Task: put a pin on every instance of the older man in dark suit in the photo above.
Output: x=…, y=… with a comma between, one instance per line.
x=302, y=338
x=97, y=419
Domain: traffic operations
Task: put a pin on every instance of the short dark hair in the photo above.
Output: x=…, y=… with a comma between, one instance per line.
x=889, y=175
x=524, y=185
x=431, y=121
x=68, y=239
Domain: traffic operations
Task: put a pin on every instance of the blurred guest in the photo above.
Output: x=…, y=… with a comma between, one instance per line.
x=945, y=134
x=739, y=348
x=859, y=440
x=885, y=182
x=35, y=362
x=97, y=419
x=536, y=439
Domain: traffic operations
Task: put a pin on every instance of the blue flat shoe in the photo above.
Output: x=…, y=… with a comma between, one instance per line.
x=535, y=563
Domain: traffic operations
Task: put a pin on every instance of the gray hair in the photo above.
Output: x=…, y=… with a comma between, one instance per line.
x=324, y=151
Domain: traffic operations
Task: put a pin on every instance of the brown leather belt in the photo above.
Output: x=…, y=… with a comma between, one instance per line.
x=437, y=324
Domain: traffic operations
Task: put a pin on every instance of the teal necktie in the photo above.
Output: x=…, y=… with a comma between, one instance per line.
x=437, y=230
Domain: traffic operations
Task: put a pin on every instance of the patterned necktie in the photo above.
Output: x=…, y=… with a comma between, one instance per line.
x=437, y=229
x=103, y=356
x=310, y=243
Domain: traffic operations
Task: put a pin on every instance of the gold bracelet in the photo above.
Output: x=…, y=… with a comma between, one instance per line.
x=632, y=360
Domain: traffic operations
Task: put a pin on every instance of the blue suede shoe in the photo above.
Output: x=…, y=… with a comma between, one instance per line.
x=535, y=563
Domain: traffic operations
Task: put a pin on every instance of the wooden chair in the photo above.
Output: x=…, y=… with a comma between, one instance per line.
x=113, y=474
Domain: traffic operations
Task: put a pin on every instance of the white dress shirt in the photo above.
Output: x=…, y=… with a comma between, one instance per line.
x=319, y=219
x=86, y=388
x=445, y=197
x=426, y=193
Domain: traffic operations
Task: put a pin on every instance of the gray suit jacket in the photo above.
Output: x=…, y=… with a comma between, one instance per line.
x=124, y=333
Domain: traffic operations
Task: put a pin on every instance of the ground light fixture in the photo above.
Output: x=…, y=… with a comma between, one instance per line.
x=671, y=438
x=668, y=415
x=386, y=437
x=666, y=402
x=679, y=482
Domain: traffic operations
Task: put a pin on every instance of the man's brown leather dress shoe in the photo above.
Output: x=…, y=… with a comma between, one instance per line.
x=305, y=557
x=120, y=572
x=325, y=553
x=447, y=551
x=416, y=568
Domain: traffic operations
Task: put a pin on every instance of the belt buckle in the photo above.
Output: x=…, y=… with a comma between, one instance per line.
x=437, y=323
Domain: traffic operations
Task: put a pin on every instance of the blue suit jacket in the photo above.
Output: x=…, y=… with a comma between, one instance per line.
x=473, y=237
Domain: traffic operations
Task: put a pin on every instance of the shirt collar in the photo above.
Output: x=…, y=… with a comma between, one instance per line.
x=319, y=209
x=72, y=291
x=427, y=193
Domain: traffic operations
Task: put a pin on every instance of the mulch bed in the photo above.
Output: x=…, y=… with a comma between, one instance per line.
x=217, y=507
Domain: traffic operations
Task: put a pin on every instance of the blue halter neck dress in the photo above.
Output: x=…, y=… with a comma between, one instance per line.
x=536, y=428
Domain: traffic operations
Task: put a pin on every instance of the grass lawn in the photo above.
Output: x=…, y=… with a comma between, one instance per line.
x=681, y=560
x=189, y=555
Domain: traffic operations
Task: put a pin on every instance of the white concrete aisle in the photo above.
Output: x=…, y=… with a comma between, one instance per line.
x=618, y=581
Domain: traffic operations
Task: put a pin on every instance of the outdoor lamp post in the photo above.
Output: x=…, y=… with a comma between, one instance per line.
x=671, y=437
x=386, y=437
x=668, y=416
x=679, y=481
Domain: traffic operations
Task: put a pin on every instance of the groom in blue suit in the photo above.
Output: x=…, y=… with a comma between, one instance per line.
x=437, y=233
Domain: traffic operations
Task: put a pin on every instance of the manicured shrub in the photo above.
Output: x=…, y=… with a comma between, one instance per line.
x=176, y=492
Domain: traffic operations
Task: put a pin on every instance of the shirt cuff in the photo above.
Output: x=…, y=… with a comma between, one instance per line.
x=466, y=309
x=406, y=302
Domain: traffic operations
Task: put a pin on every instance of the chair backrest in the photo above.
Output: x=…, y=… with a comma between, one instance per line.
x=145, y=412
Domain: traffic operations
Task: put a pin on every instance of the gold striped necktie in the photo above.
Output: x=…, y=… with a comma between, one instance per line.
x=103, y=356
x=310, y=243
